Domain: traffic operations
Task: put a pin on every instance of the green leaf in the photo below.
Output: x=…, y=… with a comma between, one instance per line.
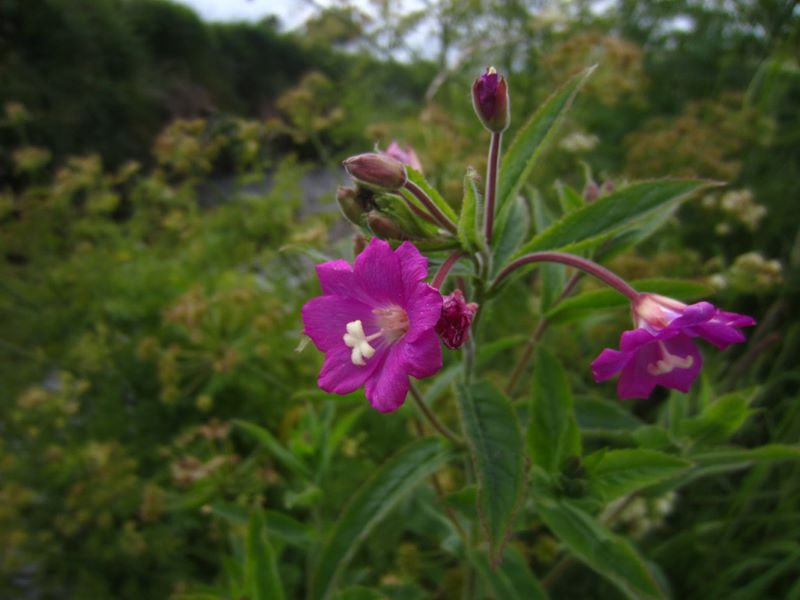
x=435, y=196
x=596, y=415
x=262, y=579
x=718, y=421
x=553, y=433
x=276, y=450
x=359, y=593
x=611, y=214
x=470, y=232
x=373, y=501
x=552, y=276
x=511, y=231
x=610, y=555
x=615, y=473
x=591, y=301
x=495, y=443
x=510, y=580
x=746, y=456
x=528, y=144
x=569, y=198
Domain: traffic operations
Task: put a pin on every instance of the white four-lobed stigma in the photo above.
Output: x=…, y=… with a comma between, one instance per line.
x=356, y=339
x=669, y=362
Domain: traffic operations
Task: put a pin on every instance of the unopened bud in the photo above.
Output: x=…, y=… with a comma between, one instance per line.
x=607, y=187
x=591, y=191
x=349, y=203
x=490, y=100
x=378, y=171
x=384, y=227
x=456, y=319
x=359, y=244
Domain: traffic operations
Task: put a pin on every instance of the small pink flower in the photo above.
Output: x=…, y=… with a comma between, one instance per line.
x=405, y=154
x=375, y=323
x=453, y=326
x=660, y=351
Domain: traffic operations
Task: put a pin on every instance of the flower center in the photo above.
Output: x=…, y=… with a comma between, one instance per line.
x=669, y=362
x=393, y=323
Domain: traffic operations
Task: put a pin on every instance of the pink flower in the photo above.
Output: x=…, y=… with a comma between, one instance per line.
x=453, y=326
x=660, y=351
x=375, y=323
x=405, y=154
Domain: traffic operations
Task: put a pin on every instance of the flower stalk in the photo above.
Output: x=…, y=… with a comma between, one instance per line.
x=492, y=174
x=426, y=201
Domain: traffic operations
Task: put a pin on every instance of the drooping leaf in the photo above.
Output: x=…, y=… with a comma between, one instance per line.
x=610, y=555
x=275, y=448
x=470, y=231
x=745, y=456
x=528, y=144
x=373, y=501
x=512, y=579
x=611, y=214
x=262, y=579
x=615, y=473
x=593, y=300
x=553, y=434
x=495, y=443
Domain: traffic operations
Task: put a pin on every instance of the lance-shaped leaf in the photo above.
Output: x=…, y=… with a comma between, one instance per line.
x=528, y=144
x=275, y=448
x=373, y=501
x=470, y=233
x=512, y=230
x=610, y=555
x=615, y=473
x=512, y=579
x=495, y=443
x=612, y=214
x=262, y=579
x=553, y=433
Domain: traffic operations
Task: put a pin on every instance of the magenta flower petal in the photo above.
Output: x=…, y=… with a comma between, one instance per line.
x=336, y=277
x=423, y=356
x=340, y=376
x=722, y=330
x=413, y=265
x=608, y=363
x=323, y=317
x=424, y=309
x=387, y=389
x=375, y=323
x=378, y=275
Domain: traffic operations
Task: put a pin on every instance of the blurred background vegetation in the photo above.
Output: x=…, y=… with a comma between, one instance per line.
x=166, y=184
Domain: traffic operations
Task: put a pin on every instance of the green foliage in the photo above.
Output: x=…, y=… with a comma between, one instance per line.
x=495, y=443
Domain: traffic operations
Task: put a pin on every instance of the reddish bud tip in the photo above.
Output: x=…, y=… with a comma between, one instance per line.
x=454, y=324
x=384, y=227
x=490, y=100
x=378, y=171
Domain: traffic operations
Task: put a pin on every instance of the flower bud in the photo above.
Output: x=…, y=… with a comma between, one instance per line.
x=349, y=203
x=405, y=154
x=454, y=323
x=377, y=171
x=384, y=227
x=490, y=100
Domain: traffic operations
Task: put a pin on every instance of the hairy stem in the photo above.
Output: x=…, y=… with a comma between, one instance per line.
x=444, y=270
x=492, y=173
x=584, y=264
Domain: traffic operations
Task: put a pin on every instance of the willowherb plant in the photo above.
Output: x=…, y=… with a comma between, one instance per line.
x=380, y=324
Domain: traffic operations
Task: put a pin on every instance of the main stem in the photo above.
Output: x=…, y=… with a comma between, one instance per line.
x=420, y=195
x=492, y=172
x=584, y=264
